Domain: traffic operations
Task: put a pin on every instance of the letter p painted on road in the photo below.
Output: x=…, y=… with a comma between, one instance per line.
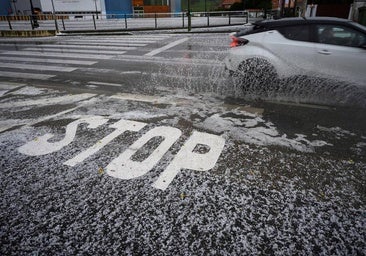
x=186, y=158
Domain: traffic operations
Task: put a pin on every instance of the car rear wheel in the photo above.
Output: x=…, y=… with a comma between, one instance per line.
x=256, y=74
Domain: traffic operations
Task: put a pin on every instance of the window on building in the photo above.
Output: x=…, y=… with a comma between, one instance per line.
x=155, y=2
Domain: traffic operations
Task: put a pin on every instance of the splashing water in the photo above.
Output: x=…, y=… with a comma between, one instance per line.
x=305, y=89
x=204, y=74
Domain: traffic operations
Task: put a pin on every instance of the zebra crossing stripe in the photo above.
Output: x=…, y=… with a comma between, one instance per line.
x=37, y=67
x=76, y=51
x=25, y=75
x=56, y=61
x=131, y=38
x=109, y=43
x=85, y=46
x=166, y=47
x=59, y=55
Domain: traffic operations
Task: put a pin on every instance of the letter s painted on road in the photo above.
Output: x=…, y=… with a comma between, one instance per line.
x=41, y=146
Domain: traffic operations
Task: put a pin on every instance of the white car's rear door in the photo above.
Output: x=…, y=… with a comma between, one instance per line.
x=339, y=55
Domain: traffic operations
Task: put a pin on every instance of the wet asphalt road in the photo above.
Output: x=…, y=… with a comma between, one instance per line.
x=237, y=175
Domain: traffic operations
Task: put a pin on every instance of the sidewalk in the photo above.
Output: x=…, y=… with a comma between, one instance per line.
x=220, y=24
x=47, y=33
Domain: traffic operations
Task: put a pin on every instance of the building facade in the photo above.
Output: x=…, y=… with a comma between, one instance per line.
x=5, y=7
x=109, y=7
x=116, y=8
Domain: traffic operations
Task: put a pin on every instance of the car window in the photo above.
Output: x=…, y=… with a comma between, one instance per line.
x=340, y=35
x=298, y=33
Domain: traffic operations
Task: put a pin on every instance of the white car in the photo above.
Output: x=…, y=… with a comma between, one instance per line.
x=326, y=47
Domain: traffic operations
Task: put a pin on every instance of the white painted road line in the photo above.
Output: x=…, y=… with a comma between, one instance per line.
x=151, y=99
x=170, y=61
x=85, y=46
x=25, y=75
x=109, y=43
x=67, y=99
x=128, y=38
x=102, y=83
x=37, y=67
x=7, y=86
x=166, y=47
x=56, y=61
x=76, y=51
x=135, y=97
x=4, y=125
x=8, y=124
x=59, y=55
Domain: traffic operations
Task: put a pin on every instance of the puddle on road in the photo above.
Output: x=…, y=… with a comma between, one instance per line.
x=288, y=116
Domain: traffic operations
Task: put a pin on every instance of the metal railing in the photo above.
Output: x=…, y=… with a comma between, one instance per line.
x=141, y=21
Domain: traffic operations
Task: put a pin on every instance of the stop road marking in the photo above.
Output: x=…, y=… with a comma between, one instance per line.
x=123, y=167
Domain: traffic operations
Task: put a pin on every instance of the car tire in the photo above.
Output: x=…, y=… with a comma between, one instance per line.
x=257, y=75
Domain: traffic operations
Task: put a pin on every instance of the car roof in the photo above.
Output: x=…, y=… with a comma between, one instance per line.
x=266, y=25
x=299, y=21
x=273, y=24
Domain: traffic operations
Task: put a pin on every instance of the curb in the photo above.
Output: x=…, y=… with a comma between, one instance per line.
x=27, y=33
x=50, y=33
x=213, y=29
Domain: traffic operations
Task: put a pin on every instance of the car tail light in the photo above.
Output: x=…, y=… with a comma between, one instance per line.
x=237, y=41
